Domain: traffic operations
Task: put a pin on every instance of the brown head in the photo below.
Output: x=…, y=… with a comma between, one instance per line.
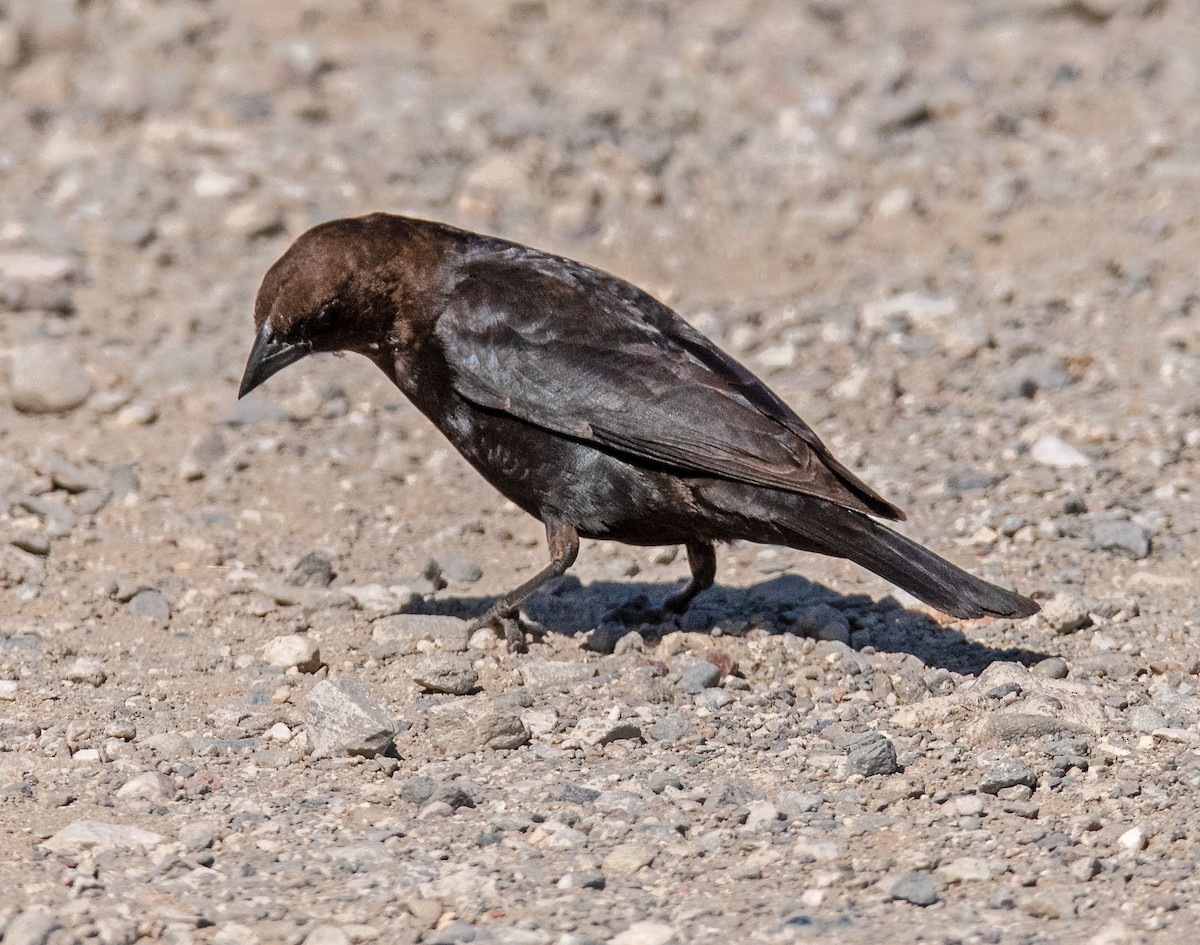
x=341, y=286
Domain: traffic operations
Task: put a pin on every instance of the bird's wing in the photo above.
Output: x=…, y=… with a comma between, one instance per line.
x=579, y=352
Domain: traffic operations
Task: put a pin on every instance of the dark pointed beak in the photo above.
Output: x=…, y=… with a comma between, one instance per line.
x=268, y=357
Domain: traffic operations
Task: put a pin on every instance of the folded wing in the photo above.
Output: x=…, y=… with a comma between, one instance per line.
x=573, y=350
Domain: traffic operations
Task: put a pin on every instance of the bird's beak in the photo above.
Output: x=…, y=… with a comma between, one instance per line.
x=268, y=357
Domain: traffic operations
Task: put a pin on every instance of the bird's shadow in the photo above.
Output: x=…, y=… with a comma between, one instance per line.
x=779, y=605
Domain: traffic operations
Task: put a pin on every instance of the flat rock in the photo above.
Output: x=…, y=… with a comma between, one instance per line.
x=537, y=673
x=916, y=888
x=343, y=718
x=47, y=379
x=1124, y=538
x=450, y=673
x=84, y=836
x=626, y=859
x=971, y=869
x=32, y=927
x=1006, y=773
x=467, y=725
x=602, y=731
x=646, y=932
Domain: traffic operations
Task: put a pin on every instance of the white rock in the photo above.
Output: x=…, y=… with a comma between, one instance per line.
x=38, y=267
x=91, y=835
x=377, y=599
x=148, y=786
x=343, y=718
x=601, y=731
x=646, y=932
x=1133, y=839
x=1051, y=451
x=968, y=869
x=8, y=690
x=46, y=379
x=292, y=649
x=85, y=670
x=278, y=733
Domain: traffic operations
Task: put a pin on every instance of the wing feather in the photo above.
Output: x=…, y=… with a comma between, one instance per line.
x=582, y=353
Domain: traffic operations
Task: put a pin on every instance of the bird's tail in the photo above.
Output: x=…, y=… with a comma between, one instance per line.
x=813, y=524
x=927, y=576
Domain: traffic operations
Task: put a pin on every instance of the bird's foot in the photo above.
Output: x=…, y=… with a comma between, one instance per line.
x=512, y=627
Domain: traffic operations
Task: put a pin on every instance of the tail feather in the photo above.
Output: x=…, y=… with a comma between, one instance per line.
x=927, y=576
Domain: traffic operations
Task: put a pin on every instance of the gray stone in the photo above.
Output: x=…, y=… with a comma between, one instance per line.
x=467, y=725
x=315, y=569
x=916, y=888
x=46, y=379
x=86, y=671
x=698, y=676
x=410, y=633
x=1123, y=538
x=32, y=927
x=798, y=802
x=343, y=718
x=202, y=454
x=872, y=755
x=151, y=605
x=444, y=672
x=1145, y=719
x=455, y=566
x=670, y=729
x=824, y=623
x=1007, y=772
x=537, y=673
x=196, y=838
x=1053, y=667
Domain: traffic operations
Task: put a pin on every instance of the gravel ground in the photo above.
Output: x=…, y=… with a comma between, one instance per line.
x=238, y=700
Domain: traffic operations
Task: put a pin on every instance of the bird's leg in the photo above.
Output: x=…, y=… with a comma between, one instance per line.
x=702, y=557
x=564, y=546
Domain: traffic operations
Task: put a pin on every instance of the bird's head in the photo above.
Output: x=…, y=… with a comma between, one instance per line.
x=337, y=288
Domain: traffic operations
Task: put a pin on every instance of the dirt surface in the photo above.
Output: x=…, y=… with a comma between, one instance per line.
x=959, y=238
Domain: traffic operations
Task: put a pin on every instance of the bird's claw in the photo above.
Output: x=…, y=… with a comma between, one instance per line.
x=512, y=627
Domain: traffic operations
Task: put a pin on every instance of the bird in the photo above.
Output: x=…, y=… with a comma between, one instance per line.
x=589, y=404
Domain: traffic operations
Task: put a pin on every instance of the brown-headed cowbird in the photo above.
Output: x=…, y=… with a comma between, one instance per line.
x=589, y=404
